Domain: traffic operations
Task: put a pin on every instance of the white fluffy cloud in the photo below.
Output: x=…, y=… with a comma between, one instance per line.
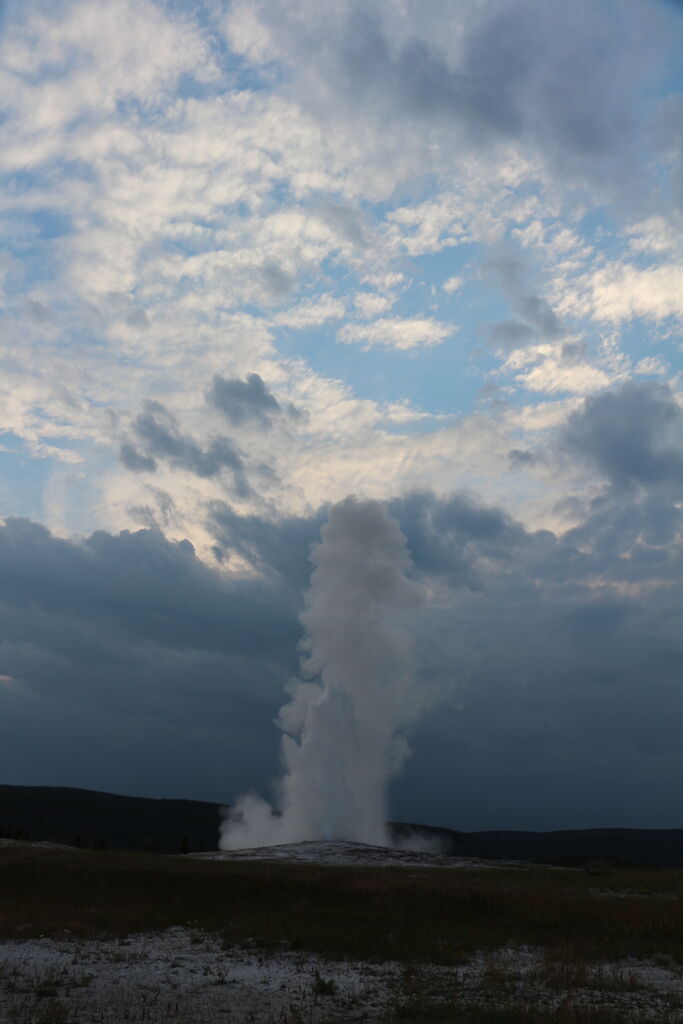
x=621, y=291
x=311, y=313
x=396, y=332
x=174, y=212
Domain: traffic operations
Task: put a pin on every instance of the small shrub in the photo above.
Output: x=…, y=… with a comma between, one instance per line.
x=323, y=986
x=45, y=985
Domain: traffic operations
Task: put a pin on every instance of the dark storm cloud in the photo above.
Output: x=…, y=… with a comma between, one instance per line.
x=139, y=584
x=245, y=401
x=633, y=434
x=630, y=542
x=158, y=434
x=556, y=659
x=134, y=663
x=446, y=537
x=280, y=547
x=562, y=655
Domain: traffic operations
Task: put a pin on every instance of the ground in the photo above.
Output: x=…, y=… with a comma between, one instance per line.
x=273, y=941
x=339, y=852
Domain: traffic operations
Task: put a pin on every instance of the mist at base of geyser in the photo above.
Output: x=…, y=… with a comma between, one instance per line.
x=253, y=822
x=342, y=740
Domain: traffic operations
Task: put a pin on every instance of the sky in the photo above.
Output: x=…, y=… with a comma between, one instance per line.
x=259, y=256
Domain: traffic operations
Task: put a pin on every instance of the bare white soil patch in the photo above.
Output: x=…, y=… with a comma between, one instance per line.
x=184, y=975
x=180, y=975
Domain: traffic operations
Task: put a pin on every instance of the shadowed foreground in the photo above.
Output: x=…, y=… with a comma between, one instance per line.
x=448, y=945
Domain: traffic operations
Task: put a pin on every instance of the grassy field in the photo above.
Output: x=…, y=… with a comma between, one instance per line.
x=428, y=915
x=422, y=918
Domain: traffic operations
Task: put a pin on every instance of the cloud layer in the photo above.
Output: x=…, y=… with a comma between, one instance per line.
x=552, y=656
x=258, y=256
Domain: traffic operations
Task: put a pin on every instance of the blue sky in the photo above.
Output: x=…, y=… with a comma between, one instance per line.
x=447, y=239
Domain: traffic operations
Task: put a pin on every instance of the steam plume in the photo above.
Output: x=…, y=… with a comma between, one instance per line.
x=342, y=740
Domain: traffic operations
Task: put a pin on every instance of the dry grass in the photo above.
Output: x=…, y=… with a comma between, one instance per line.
x=527, y=1014
x=523, y=986
x=426, y=915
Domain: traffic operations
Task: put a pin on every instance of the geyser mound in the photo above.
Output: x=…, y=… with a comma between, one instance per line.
x=342, y=727
x=343, y=853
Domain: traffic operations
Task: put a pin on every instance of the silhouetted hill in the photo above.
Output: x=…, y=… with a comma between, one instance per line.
x=572, y=847
x=87, y=817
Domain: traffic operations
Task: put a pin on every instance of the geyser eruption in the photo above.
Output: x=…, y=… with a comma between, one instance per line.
x=342, y=740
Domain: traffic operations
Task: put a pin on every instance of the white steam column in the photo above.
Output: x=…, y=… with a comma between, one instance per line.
x=342, y=739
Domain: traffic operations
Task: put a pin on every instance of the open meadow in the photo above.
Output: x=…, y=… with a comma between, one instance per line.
x=90, y=936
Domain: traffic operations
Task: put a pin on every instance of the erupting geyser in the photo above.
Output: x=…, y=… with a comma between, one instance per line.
x=342, y=740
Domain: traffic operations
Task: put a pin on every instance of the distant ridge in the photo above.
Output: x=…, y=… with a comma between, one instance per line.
x=660, y=847
x=85, y=817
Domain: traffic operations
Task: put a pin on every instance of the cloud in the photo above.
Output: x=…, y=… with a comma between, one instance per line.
x=509, y=334
x=134, y=460
x=371, y=304
x=651, y=365
x=657, y=235
x=533, y=309
x=533, y=642
x=279, y=547
x=452, y=284
x=311, y=313
x=202, y=215
x=126, y=650
x=620, y=291
x=156, y=430
x=399, y=333
x=138, y=584
x=245, y=401
x=520, y=457
x=632, y=434
x=81, y=60
x=476, y=205
x=532, y=73
x=554, y=372
x=277, y=282
x=171, y=225
x=347, y=222
x=536, y=346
